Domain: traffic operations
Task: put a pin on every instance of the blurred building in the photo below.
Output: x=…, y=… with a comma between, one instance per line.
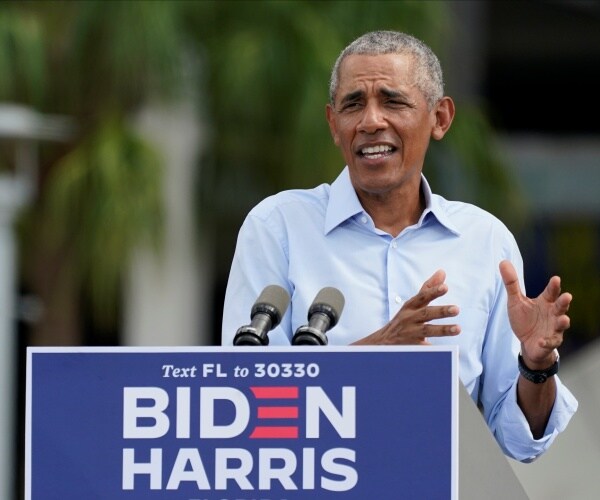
x=534, y=65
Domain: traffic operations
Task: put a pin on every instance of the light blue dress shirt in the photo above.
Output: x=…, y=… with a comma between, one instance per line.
x=305, y=240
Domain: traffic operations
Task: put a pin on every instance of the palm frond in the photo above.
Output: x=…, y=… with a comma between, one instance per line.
x=105, y=200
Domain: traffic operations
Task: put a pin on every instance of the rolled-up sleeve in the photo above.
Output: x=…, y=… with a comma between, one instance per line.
x=498, y=385
x=512, y=430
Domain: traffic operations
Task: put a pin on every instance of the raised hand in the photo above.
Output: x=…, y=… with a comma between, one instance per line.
x=538, y=323
x=410, y=324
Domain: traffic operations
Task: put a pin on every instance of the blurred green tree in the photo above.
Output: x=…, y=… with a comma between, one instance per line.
x=99, y=194
x=268, y=85
x=263, y=74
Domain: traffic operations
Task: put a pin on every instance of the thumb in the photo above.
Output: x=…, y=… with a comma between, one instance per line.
x=510, y=278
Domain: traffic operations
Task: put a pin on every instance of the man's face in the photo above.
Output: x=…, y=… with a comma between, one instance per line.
x=381, y=123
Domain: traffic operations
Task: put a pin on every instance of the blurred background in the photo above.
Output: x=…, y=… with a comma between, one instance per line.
x=136, y=135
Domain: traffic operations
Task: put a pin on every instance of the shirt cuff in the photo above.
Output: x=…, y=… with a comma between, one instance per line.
x=512, y=430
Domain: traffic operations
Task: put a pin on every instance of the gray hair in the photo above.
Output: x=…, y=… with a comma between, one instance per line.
x=428, y=74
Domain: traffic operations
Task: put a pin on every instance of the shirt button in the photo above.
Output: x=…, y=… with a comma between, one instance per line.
x=394, y=244
x=398, y=299
x=363, y=219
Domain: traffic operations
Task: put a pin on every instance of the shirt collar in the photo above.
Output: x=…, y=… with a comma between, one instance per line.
x=344, y=204
x=436, y=205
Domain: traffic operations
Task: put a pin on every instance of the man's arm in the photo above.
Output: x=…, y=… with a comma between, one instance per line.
x=259, y=260
x=539, y=325
x=536, y=401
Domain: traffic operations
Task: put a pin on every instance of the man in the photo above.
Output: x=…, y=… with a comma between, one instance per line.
x=414, y=268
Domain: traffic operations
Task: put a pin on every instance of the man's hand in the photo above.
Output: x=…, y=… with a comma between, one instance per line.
x=410, y=325
x=538, y=323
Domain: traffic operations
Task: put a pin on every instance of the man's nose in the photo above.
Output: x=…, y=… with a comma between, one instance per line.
x=373, y=119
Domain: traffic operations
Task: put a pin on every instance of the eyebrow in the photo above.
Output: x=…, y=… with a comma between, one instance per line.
x=391, y=93
x=352, y=96
x=357, y=94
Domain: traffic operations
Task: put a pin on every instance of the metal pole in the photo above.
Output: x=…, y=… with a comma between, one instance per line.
x=11, y=199
x=24, y=128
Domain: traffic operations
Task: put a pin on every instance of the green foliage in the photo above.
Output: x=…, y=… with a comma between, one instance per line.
x=483, y=176
x=268, y=86
x=22, y=75
x=264, y=68
x=100, y=196
x=122, y=53
x=105, y=198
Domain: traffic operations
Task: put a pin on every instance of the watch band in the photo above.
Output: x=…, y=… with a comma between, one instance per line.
x=538, y=376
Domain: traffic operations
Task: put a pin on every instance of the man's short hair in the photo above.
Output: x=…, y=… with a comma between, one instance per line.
x=428, y=71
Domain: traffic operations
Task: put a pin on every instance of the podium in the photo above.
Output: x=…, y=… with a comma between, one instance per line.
x=244, y=423
x=484, y=470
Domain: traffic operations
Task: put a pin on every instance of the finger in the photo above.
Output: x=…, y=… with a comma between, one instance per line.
x=435, y=280
x=562, y=303
x=431, y=289
x=438, y=312
x=430, y=330
x=510, y=278
x=562, y=323
x=552, y=290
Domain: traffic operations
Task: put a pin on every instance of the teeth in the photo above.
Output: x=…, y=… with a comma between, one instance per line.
x=376, y=149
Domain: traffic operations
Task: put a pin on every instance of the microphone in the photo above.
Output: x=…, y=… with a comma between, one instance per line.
x=265, y=315
x=323, y=314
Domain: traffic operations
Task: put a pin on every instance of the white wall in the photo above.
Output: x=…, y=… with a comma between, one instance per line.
x=167, y=299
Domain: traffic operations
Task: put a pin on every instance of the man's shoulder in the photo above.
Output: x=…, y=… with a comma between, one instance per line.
x=292, y=201
x=468, y=215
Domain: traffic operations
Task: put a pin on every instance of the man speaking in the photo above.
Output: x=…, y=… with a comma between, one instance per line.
x=414, y=268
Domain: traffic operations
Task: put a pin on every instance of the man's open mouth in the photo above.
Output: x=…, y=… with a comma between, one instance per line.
x=375, y=152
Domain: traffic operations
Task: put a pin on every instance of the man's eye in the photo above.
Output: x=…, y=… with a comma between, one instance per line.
x=350, y=106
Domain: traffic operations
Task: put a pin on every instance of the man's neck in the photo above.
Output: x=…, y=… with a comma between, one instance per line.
x=393, y=212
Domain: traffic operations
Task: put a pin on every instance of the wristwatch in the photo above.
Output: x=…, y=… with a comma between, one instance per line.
x=538, y=376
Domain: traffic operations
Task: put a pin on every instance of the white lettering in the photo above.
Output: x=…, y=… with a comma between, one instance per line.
x=349, y=474
x=267, y=471
x=344, y=423
x=132, y=412
x=208, y=397
x=152, y=468
x=184, y=413
x=308, y=469
x=235, y=465
x=223, y=471
x=176, y=372
x=196, y=474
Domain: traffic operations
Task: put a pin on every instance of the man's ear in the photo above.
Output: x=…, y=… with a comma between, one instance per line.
x=444, y=114
x=330, y=114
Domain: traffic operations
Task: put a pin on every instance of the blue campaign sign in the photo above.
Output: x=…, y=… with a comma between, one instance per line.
x=242, y=423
